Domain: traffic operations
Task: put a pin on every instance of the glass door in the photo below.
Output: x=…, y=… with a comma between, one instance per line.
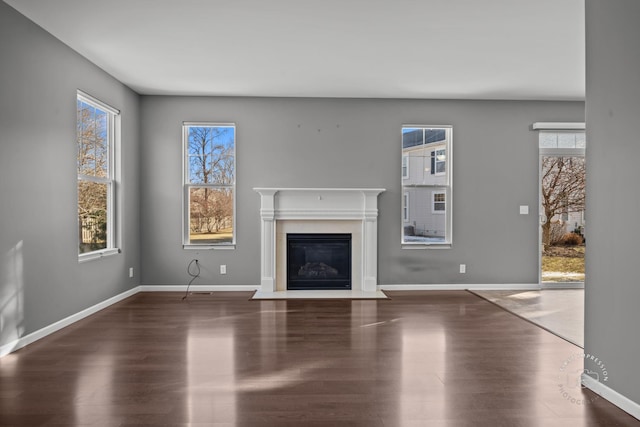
x=562, y=209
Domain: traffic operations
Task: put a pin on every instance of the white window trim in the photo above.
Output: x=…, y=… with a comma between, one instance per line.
x=114, y=126
x=448, y=243
x=186, y=244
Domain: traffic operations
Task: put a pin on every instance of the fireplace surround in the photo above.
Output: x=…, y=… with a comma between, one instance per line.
x=319, y=210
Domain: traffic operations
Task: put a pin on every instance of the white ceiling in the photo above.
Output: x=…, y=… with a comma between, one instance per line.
x=456, y=49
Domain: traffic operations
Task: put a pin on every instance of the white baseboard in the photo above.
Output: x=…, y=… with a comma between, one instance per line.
x=197, y=288
x=54, y=327
x=622, y=402
x=461, y=287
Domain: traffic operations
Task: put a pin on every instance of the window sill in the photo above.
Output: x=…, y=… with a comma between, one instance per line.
x=426, y=245
x=208, y=247
x=97, y=254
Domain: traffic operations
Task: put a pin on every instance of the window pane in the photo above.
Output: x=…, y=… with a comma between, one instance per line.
x=548, y=140
x=101, y=144
x=211, y=155
x=86, y=161
x=210, y=215
x=412, y=137
x=93, y=140
x=434, y=135
x=425, y=226
x=92, y=216
x=566, y=140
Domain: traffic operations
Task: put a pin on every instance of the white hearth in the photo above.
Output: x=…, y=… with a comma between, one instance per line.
x=321, y=210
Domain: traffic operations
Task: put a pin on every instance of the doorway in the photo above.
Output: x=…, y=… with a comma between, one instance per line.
x=562, y=231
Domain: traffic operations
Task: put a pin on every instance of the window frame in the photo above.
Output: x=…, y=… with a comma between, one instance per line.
x=113, y=143
x=442, y=185
x=187, y=186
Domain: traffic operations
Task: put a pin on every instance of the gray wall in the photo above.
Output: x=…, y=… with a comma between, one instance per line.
x=613, y=110
x=355, y=143
x=41, y=280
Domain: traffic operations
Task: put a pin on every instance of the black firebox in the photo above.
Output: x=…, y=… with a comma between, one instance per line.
x=318, y=261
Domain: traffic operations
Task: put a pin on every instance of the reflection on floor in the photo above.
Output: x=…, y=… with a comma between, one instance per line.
x=560, y=311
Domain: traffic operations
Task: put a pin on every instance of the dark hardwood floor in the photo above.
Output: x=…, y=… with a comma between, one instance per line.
x=420, y=359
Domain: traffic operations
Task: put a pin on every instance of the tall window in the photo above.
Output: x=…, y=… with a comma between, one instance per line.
x=426, y=185
x=209, y=184
x=96, y=137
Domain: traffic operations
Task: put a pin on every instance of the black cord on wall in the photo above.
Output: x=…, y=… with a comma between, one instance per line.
x=193, y=276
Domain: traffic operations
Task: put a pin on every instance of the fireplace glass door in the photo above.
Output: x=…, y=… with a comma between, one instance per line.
x=318, y=261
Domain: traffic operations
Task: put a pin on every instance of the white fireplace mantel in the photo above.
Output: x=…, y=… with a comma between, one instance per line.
x=320, y=204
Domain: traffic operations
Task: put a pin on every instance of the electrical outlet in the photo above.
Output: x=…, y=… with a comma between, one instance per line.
x=463, y=268
x=223, y=269
x=130, y=271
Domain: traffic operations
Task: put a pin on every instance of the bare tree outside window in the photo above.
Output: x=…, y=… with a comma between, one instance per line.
x=563, y=191
x=210, y=159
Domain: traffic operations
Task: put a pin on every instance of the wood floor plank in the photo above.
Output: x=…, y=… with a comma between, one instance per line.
x=436, y=358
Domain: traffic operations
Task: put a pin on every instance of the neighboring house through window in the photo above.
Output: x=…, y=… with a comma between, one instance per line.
x=426, y=185
x=209, y=185
x=97, y=130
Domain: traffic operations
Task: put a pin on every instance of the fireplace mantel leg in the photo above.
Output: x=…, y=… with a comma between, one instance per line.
x=370, y=255
x=268, y=262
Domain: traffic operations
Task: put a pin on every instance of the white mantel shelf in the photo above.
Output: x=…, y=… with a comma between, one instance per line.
x=320, y=204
